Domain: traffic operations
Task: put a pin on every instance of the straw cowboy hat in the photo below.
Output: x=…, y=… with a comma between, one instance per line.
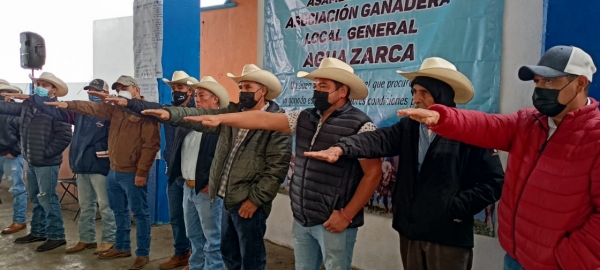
x=10, y=88
x=337, y=70
x=58, y=83
x=253, y=73
x=209, y=83
x=441, y=69
x=5, y=82
x=180, y=77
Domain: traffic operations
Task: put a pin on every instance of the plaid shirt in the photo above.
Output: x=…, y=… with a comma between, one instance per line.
x=227, y=169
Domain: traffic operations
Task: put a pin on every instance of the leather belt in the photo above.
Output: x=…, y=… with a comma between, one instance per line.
x=190, y=183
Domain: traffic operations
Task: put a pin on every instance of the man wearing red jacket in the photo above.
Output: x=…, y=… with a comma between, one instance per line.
x=549, y=213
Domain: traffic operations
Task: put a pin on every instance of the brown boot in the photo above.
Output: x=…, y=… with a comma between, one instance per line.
x=13, y=228
x=80, y=247
x=103, y=248
x=139, y=263
x=113, y=254
x=175, y=261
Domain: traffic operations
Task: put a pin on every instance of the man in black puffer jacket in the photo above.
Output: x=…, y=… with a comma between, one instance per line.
x=43, y=140
x=11, y=163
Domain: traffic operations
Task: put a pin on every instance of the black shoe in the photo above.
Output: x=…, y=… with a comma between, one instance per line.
x=29, y=239
x=50, y=245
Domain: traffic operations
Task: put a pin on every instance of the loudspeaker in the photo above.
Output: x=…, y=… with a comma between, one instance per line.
x=33, y=51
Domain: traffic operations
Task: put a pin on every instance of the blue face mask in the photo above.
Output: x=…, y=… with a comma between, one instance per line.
x=40, y=91
x=95, y=99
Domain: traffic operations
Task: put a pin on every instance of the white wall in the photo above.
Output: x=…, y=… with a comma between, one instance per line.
x=377, y=246
x=113, y=48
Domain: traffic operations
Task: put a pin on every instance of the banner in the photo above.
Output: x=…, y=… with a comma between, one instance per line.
x=147, y=38
x=377, y=38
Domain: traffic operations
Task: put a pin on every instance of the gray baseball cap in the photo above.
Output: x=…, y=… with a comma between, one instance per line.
x=560, y=61
x=124, y=80
x=97, y=84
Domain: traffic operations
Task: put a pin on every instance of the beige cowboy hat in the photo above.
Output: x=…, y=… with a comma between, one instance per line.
x=5, y=82
x=337, y=70
x=209, y=83
x=441, y=69
x=180, y=77
x=62, y=91
x=255, y=74
x=10, y=88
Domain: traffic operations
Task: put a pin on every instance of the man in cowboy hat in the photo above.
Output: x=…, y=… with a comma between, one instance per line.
x=441, y=184
x=327, y=199
x=133, y=142
x=248, y=167
x=11, y=163
x=88, y=159
x=43, y=140
x=190, y=166
x=549, y=214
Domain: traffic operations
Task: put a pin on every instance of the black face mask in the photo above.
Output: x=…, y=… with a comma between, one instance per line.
x=321, y=100
x=178, y=98
x=546, y=101
x=247, y=99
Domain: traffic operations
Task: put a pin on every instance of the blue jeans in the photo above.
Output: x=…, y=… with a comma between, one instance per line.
x=511, y=264
x=242, y=243
x=203, y=227
x=92, y=189
x=313, y=245
x=175, y=195
x=12, y=168
x=124, y=196
x=46, y=220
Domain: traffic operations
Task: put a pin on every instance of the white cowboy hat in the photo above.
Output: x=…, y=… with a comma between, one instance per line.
x=255, y=74
x=180, y=77
x=209, y=83
x=10, y=88
x=5, y=82
x=58, y=83
x=441, y=69
x=337, y=70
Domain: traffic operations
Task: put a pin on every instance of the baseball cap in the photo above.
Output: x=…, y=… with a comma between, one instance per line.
x=124, y=80
x=560, y=61
x=97, y=84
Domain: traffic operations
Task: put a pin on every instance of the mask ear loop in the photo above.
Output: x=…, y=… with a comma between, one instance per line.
x=573, y=96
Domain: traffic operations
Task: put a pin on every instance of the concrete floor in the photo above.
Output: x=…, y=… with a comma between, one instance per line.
x=15, y=256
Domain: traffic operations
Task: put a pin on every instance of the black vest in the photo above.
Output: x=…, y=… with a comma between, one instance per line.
x=318, y=187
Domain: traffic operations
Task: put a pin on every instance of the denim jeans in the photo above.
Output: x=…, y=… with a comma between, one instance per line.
x=175, y=195
x=92, y=189
x=203, y=227
x=511, y=264
x=313, y=245
x=12, y=168
x=46, y=220
x=124, y=196
x=242, y=243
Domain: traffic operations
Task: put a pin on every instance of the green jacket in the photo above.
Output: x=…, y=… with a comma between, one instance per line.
x=259, y=166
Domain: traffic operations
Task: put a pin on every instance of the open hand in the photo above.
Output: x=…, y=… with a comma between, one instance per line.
x=57, y=104
x=158, y=113
x=117, y=100
x=9, y=96
x=101, y=95
x=428, y=117
x=330, y=155
x=206, y=120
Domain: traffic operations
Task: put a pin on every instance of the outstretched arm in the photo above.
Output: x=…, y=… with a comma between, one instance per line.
x=246, y=120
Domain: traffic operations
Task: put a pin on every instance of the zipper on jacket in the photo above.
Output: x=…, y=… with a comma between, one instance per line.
x=312, y=142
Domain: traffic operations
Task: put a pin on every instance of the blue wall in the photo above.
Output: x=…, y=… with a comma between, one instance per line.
x=576, y=23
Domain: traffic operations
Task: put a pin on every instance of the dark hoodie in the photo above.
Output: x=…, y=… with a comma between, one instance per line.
x=10, y=136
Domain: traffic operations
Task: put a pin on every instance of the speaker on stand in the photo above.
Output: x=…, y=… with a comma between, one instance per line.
x=33, y=52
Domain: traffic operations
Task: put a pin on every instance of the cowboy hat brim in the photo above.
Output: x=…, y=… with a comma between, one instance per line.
x=358, y=88
x=263, y=77
x=10, y=89
x=216, y=89
x=62, y=91
x=463, y=89
x=180, y=81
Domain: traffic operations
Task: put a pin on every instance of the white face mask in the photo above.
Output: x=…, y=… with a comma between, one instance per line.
x=125, y=94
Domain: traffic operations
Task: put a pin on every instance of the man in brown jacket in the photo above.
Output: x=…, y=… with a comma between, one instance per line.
x=133, y=142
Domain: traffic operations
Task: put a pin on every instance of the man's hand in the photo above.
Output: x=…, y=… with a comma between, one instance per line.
x=57, y=104
x=206, y=120
x=117, y=100
x=336, y=223
x=158, y=113
x=140, y=181
x=204, y=190
x=428, y=117
x=101, y=95
x=9, y=96
x=247, y=209
x=330, y=155
x=10, y=156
